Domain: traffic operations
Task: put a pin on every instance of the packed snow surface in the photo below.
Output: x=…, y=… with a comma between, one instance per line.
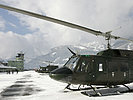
x=30, y=85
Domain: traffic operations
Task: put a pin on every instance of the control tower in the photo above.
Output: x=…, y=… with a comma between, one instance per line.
x=18, y=62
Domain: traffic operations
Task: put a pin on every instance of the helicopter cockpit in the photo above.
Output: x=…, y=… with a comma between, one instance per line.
x=71, y=63
x=78, y=64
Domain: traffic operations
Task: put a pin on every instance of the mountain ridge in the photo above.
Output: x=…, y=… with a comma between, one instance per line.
x=59, y=55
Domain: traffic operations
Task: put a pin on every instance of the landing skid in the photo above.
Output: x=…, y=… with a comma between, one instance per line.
x=108, y=91
x=79, y=88
x=75, y=89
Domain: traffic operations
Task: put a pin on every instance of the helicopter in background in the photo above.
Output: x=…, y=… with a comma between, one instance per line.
x=47, y=69
x=110, y=67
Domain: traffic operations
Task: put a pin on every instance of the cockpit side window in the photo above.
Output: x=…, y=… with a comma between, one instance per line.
x=83, y=66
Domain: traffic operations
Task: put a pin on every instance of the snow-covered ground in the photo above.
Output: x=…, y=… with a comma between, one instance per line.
x=30, y=85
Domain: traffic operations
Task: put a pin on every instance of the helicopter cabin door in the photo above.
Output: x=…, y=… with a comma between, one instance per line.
x=100, y=69
x=118, y=72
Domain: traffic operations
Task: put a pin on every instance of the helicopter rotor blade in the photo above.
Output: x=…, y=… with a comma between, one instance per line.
x=125, y=39
x=68, y=24
x=51, y=19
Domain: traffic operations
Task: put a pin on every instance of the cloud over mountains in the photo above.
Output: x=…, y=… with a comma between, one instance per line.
x=102, y=15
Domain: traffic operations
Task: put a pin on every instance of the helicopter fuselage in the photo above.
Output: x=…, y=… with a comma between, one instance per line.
x=109, y=67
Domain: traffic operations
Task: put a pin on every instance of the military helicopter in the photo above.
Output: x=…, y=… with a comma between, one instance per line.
x=110, y=67
x=47, y=69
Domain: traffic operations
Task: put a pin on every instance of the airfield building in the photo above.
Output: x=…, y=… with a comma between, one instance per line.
x=18, y=62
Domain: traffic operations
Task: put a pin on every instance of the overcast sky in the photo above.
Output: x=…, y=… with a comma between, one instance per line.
x=35, y=37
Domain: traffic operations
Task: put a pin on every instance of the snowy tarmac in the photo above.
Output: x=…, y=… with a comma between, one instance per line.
x=30, y=85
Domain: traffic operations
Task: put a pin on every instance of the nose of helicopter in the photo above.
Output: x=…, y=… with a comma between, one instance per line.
x=61, y=74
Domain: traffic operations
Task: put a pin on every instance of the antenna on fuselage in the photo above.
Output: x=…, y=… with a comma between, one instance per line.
x=71, y=51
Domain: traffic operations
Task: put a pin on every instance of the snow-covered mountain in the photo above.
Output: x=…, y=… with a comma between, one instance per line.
x=59, y=55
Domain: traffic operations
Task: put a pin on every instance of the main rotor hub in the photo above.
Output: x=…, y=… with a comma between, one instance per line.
x=108, y=38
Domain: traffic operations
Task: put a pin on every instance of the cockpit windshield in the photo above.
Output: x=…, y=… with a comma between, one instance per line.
x=71, y=63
